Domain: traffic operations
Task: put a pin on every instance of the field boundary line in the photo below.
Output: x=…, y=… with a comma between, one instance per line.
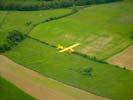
x=75, y=53
x=3, y=20
x=53, y=19
x=85, y=56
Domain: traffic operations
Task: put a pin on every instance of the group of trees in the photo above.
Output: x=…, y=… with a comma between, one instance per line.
x=131, y=36
x=13, y=39
x=45, y=4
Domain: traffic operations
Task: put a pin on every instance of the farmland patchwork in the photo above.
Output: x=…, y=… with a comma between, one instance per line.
x=103, y=30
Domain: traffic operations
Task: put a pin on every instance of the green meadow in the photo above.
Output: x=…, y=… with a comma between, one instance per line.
x=101, y=79
x=103, y=30
x=23, y=21
x=10, y=92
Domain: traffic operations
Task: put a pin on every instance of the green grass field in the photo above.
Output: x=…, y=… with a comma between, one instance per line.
x=10, y=92
x=17, y=20
x=106, y=80
x=98, y=28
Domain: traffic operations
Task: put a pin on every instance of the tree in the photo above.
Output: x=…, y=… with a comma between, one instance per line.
x=15, y=36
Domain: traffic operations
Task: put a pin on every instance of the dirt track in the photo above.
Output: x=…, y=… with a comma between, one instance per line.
x=40, y=87
x=123, y=59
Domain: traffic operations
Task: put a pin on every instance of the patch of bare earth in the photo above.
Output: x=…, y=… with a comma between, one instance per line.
x=95, y=45
x=123, y=59
x=40, y=87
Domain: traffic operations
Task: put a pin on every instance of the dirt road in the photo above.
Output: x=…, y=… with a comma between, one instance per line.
x=38, y=86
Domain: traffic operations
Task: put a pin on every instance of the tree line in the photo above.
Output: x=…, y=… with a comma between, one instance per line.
x=46, y=4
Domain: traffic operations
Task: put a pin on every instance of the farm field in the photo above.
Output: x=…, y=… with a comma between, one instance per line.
x=7, y=91
x=124, y=58
x=100, y=29
x=104, y=31
x=38, y=86
x=23, y=21
x=105, y=80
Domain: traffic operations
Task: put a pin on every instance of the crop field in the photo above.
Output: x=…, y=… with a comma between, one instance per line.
x=104, y=79
x=23, y=21
x=39, y=86
x=123, y=58
x=98, y=28
x=7, y=91
x=103, y=30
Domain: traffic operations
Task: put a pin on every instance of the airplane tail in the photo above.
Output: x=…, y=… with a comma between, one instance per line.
x=60, y=47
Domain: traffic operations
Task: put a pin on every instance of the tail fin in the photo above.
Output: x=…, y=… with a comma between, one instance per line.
x=60, y=47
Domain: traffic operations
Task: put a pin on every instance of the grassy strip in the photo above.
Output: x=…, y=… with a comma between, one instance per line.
x=9, y=91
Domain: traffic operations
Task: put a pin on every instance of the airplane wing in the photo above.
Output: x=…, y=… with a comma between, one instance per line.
x=70, y=47
x=75, y=45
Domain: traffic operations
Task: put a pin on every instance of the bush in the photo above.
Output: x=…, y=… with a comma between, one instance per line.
x=28, y=23
x=87, y=71
x=14, y=37
x=124, y=68
x=6, y=47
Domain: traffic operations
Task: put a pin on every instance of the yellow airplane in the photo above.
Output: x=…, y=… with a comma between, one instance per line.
x=68, y=49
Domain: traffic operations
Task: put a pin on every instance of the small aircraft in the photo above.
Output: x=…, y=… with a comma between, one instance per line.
x=68, y=49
